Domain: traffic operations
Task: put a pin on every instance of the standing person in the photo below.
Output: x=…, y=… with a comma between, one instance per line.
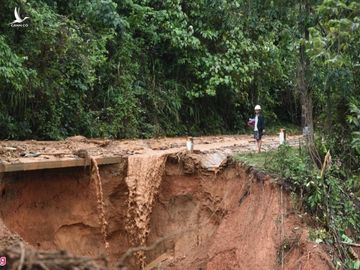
x=259, y=127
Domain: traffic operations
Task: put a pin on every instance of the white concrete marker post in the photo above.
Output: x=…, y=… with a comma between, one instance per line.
x=190, y=144
x=282, y=136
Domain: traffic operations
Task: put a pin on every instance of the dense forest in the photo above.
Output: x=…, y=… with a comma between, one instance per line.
x=149, y=68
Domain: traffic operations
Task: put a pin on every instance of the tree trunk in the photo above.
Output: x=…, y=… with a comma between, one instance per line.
x=304, y=86
x=305, y=93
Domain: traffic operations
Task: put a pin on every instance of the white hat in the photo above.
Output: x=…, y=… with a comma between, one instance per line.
x=257, y=107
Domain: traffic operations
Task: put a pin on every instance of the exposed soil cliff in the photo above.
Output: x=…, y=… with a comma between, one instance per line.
x=189, y=214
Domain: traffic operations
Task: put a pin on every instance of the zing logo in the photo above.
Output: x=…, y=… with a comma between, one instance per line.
x=18, y=22
x=2, y=261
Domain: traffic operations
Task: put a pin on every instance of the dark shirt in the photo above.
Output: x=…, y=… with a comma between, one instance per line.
x=261, y=123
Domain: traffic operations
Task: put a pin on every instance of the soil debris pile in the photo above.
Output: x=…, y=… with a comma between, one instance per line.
x=144, y=178
x=20, y=255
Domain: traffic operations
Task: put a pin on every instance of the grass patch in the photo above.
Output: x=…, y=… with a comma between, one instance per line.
x=264, y=161
x=257, y=160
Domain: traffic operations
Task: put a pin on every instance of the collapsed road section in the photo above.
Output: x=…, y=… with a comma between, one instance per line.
x=162, y=209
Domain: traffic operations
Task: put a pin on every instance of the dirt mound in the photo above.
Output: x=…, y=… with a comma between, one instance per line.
x=6, y=237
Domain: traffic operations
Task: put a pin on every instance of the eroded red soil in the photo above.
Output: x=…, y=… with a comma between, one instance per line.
x=225, y=218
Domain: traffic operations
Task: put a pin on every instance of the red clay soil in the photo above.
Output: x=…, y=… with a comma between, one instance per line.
x=57, y=209
x=194, y=219
x=235, y=220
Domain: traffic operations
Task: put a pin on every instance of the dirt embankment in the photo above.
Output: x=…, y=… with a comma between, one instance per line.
x=236, y=219
x=189, y=217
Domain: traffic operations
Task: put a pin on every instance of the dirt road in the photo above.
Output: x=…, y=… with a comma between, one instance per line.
x=24, y=151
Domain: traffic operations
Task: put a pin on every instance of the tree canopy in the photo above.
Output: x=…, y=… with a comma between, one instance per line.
x=145, y=68
x=141, y=68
